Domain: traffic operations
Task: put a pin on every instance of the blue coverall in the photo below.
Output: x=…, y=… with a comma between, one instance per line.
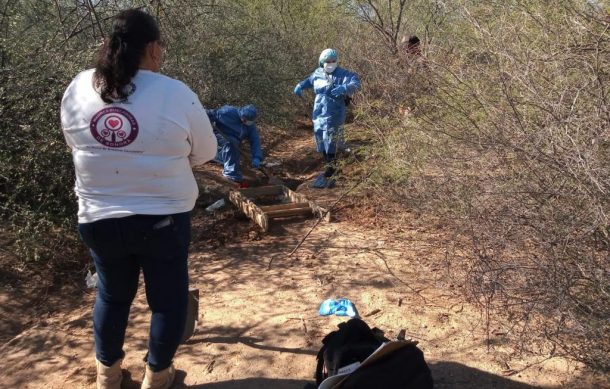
x=329, y=112
x=230, y=131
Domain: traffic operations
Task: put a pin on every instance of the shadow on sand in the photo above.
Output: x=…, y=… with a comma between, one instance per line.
x=446, y=375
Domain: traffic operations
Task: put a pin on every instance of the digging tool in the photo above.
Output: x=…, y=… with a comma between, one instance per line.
x=192, y=315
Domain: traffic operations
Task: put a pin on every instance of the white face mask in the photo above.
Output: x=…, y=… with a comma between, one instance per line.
x=248, y=122
x=330, y=67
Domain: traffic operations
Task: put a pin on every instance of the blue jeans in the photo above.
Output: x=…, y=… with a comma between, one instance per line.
x=120, y=247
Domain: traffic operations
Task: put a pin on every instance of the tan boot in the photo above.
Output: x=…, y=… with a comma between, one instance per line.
x=159, y=380
x=109, y=377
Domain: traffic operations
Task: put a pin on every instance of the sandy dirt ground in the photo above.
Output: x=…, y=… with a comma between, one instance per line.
x=258, y=324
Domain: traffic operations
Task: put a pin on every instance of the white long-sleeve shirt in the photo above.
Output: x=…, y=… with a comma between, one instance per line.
x=135, y=157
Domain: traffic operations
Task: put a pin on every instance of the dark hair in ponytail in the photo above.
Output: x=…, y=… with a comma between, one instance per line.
x=119, y=57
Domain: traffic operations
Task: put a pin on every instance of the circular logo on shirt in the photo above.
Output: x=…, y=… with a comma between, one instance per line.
x=114, y=127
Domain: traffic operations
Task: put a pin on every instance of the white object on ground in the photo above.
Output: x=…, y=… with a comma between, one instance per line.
x=216, y=206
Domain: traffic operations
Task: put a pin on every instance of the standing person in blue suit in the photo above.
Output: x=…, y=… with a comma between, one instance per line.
x=333, y=86
x=232, y=125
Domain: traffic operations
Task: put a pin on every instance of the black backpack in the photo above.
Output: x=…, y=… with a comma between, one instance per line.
x=354, y=341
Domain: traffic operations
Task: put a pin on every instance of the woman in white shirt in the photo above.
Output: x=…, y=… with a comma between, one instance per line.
x=134, y=136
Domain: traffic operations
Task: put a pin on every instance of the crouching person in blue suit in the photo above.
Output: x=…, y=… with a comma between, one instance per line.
x=232, y=125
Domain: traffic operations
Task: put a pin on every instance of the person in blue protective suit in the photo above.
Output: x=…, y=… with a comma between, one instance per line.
x=232, y=125
x=333, y=86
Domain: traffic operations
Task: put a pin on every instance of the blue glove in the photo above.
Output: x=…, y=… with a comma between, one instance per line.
x=256, y=163
x=338, y=91
x=298, y=90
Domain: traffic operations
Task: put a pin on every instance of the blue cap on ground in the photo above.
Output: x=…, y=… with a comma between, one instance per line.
x=248, y=112
x=339, y=307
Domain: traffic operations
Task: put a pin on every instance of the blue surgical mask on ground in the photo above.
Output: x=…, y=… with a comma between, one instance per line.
x=330, y=67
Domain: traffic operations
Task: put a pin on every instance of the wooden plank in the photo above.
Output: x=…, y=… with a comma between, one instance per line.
x=253, y=193
x=269, y=208
x=289, y=212
x=249, y=208
x=299, y=205
x=299, y=198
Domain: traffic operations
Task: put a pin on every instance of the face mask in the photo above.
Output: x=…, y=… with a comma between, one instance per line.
x=249, y=122
x=330, y=67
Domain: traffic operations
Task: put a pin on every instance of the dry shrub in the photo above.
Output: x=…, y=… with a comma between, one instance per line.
x=508, y=138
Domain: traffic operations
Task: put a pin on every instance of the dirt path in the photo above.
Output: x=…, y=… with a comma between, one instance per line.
x=259, y=327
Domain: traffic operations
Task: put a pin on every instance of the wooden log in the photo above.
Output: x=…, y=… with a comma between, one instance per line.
x=269, y=208
x=299, y=198
x=289, y=212
x=249, y=208
x=253, y=193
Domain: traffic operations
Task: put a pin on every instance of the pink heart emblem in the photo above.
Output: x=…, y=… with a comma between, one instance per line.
x=114, y=122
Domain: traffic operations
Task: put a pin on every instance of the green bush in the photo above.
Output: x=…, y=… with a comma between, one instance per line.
x=229, y=52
